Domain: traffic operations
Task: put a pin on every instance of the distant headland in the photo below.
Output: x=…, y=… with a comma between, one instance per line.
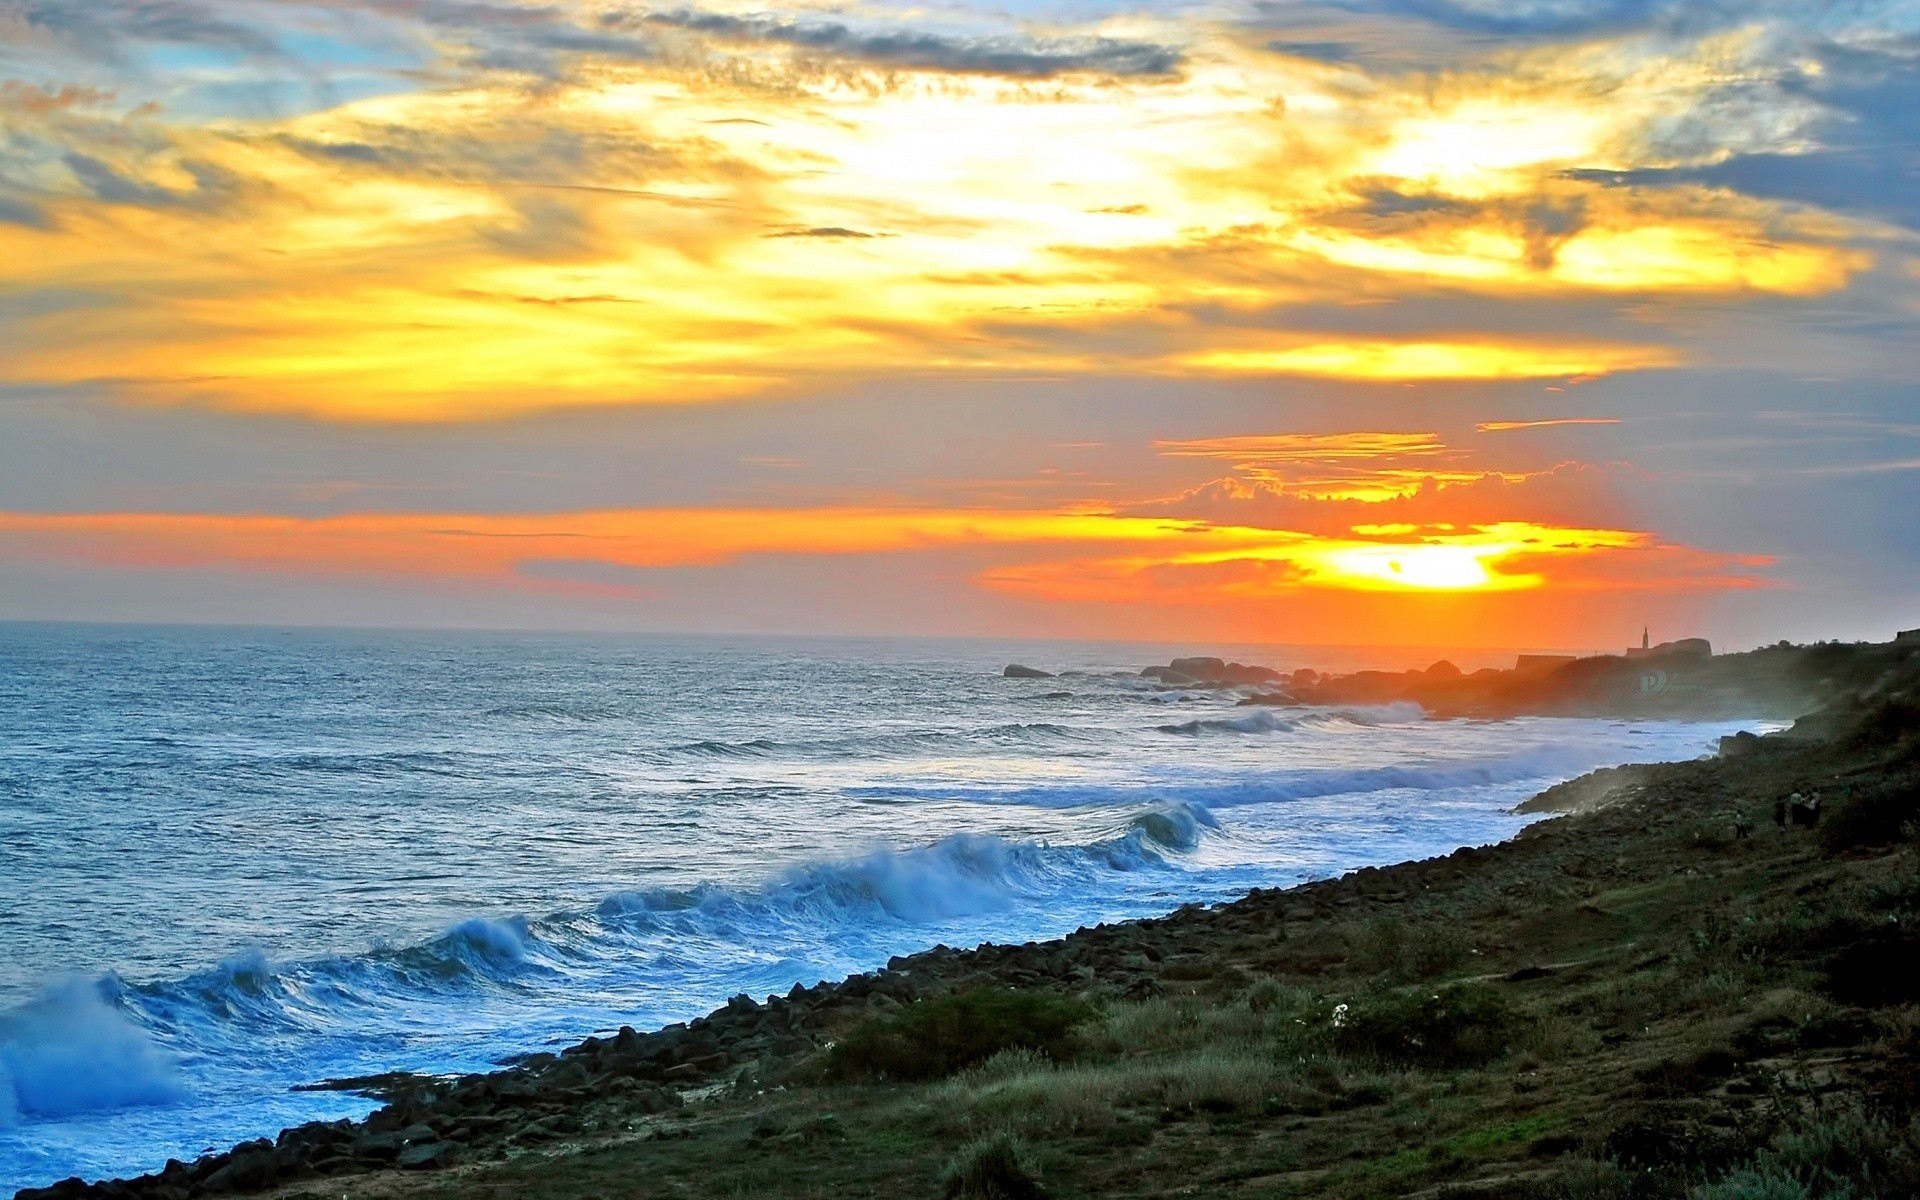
x=1681, y=679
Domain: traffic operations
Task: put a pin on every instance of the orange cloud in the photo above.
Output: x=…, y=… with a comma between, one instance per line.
x=1303, y=447
x=1369, y=467
x=1161, y=557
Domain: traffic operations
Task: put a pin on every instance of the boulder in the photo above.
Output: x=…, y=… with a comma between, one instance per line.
x=1016, y=671
x=1200, y=668
x=1168, y=675
x=427, y=1156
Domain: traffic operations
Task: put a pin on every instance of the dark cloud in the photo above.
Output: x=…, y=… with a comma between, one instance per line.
x=213, y=185
x=1551, y=18
x=1384, y=201
x=512, y=147
x=1542, y=221
x=1021, y=58
x=102, y=28
x=42, y=301
x=825, y=231
x=1867, y=158
x=14, y=211
x=1331, y=52
x=535, y=40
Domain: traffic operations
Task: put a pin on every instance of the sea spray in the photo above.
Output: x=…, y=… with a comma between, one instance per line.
x=71, y=1051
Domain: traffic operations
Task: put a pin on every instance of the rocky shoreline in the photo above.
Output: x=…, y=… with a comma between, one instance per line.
x=1636, y=986
x=1680, y=680
x=603, y=1083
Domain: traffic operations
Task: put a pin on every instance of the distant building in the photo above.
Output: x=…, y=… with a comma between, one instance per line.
x=1907, y=637
x=1680, y=648
x=1540, y=664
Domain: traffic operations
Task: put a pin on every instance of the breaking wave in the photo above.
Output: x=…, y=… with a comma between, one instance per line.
x=1283, y=720
x=73, y=1051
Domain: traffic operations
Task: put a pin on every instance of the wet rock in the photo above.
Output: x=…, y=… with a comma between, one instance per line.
x=1017, y=671
x=428, y=1156
x=66, y=1189
x=248, y=1171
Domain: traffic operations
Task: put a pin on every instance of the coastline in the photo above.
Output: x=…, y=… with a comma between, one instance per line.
x=1596, y=910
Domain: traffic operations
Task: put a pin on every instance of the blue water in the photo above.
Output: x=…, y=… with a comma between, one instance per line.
x=235, y=861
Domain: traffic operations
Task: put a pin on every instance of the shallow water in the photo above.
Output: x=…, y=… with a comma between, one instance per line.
x=234, y=861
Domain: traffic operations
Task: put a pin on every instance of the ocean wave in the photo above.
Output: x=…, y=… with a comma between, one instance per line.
x=892, y=743
x=1214, y=791
x=1277, y=720
x=92, y=1046
x=73, y=1051
x=573, y=714
x=360, y=764
x=755, y=748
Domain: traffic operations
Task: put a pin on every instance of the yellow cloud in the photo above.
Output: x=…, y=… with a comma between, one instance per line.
x=1416, y=360
x=751, y=219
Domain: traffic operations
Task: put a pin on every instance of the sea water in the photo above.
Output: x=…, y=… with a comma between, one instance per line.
x=233, y=862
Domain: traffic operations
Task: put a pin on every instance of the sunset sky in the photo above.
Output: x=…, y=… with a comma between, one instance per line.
x=1403, y=322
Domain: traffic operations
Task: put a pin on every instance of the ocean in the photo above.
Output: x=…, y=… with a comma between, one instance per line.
x=236, y=861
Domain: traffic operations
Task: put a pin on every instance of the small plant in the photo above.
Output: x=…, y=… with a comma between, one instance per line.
x=992, y=1168
x=934, y=1038
x=1461, y=1026
x=1266, y=995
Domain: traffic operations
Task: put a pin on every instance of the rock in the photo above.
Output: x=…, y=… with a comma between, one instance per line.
x=1199, y=668
x=1267, y=698
x=1169, y=676
x=380, y=1147
x=1443, y=670
x=1210, y=672
x=248, y=1172
x=66, y=1189
x=1016, y=671
x=428, y=1156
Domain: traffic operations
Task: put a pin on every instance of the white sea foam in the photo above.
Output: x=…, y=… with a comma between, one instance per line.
x=71, y=1051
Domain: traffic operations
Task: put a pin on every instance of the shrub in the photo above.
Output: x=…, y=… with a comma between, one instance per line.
x=1752, y=1183
x=1384, y=947
x=992, y=1168
x=1461, y=1026
x=1836, y=1154
x=934, y=1038
x=1874, y=815
x=1878, y=970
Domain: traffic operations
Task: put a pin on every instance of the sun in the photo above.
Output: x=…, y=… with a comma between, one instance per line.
x=1424, y=567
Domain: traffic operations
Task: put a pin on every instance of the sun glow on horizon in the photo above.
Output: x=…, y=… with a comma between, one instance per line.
x=547, y=552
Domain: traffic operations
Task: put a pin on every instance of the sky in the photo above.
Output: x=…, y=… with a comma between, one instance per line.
x=1389, y=322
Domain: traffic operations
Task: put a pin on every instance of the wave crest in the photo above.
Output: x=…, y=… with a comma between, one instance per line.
x=71, y=1051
